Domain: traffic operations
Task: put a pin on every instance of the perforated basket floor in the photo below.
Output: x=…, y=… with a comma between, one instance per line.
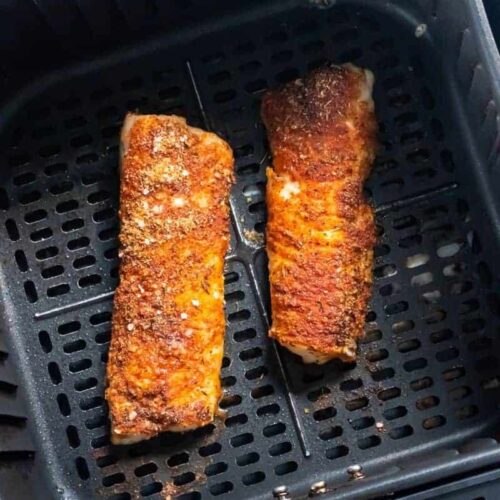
x=427, y=372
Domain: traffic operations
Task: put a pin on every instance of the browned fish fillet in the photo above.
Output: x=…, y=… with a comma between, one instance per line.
x=168, y=320
x=320, y=232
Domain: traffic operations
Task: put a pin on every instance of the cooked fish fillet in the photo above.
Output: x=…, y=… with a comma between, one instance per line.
x=168, y=320
x=320, y=231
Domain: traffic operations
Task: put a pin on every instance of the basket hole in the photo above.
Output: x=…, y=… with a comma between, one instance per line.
x=4, y=200
x=185, y=478
x=447, y=354
x=82, y=468
x=91, y=403
x=469, y=306
x=410, y=241
x=103, y=337
x=31, y=197
x=351, y=384
x=244, y=335
x=378, y=355
x=242, y=315
x=111, y=253
x=330, y=433
x=248, y=169
x=241, y=440
x=356, y=404
x=390, y=393
x=433, y=422
x=422, y=279
x=219, y=77
x=73, y=437
x=45, y=342
x=264, y=411
x=415, y=364
x=368, y=442
x=21, y=261
x=324, y=414
x=72, y=225
x=100, y=442
x=401, y=432
x=229, y=401
x=336, y=452
x=234, y=296
x=88, y=260
x=61, y=187
x=409, y=345
x=100, y=318
x=248, y=354
x=30, y=291
x=93, y=279
x=46, y=253
x=256, y=373
x=454, y=373
x=52, y=272
x=441, y=336
x=318, y=394
x=417, y=260
x=54, y=373
x=427, y=403
x=75, y=122
x=74, y=346
x=371, y=336
x=87, y=159
x=12, y=230
x=473, y=325
x=383, y=374
x=80, y=365
x=169, y=93
x=274, y=429
x=85, y=384
x=253, y=478
x=403, y=326
x=480, y=344
x=55, y=169
x=460, y=392
x=263, y=391
x=214, y=469
x=183, y=458
x=192, y=495
x=40, y=235
x=281, y=56
x=78, y=243
x=280, y=448
x=35, y=216
x=394, y=413
x=286, y=468
x=221, y=488
x=449, y=250
x=211, y=449
x=247, y=459
x=385, y=271
x=436, y=316
x=102, y=215
x=236, y=420
x=66, y=206
x=96, y=422
x=421, y=383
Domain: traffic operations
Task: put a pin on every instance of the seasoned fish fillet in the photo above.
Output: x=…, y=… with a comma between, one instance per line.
x=168, y=320
x=320, y=231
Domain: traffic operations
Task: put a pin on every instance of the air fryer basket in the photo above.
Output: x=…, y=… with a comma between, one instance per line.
x=421, y=402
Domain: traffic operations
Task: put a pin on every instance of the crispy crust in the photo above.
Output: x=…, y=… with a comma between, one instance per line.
x=168, y=321
x=320, y=232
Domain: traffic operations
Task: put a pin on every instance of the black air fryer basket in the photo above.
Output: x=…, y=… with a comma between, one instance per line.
x=417, y=415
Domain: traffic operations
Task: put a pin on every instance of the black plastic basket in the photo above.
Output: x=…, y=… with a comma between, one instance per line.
x=418, y=409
